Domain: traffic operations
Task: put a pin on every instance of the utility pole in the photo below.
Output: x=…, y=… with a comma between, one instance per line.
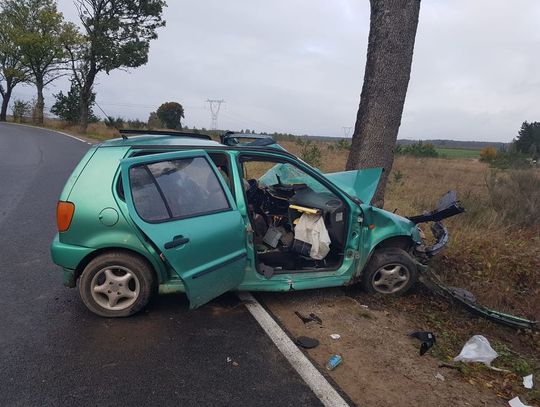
x=215, y=105
x=346, y=131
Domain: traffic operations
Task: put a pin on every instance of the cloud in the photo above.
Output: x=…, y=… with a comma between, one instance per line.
x=298, y=67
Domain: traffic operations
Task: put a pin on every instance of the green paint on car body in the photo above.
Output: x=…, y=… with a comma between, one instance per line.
x=223, y=256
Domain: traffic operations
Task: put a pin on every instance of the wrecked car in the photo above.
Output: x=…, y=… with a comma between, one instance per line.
x=177, y=212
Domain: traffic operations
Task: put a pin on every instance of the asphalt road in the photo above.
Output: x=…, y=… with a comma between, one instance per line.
x=54, y=352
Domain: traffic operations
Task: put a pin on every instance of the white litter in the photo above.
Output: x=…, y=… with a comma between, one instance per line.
x=335, y=336
x=311, y=229
x=229, y=360
x=477, y=349
x=516, y=402
x=439, y=376
x=528, y=382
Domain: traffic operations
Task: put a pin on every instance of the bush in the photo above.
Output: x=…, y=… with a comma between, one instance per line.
x=136, y=124
x=67, y=107
x=20, y=109
x=510, y=160
x=343, y=144
x=154, y=122
x=114, y=122
x=417, y=150
x=515, y=195
x=488, y=154
x=309, y=152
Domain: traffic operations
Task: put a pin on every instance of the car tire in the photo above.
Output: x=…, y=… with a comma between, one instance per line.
x=116, y=284
x=390, y=271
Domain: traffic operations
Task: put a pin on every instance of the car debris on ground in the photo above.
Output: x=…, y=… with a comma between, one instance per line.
x=311, y=318
x=307, y=342
x=428, y=340
x=516, y=402
x=528, y=381
x=333, y=362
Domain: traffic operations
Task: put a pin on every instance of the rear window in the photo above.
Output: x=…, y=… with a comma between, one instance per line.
x=176, y=189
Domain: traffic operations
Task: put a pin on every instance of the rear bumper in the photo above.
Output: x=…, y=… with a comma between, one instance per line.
x=68, y=256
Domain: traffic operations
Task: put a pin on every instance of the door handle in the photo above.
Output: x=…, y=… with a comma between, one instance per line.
x=177, y=241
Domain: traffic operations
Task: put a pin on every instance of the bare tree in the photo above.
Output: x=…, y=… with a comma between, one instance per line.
x=389, y=57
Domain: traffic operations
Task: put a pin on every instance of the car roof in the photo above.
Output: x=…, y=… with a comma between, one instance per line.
x=162, y=140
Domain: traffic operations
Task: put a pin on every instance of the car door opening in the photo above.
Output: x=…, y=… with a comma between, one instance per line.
x=299, y=225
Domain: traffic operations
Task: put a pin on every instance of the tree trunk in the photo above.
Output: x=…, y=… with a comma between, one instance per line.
x=86, y=100
x=389, y=57
x=40, y=104
x=5, y=103
x=83, y=114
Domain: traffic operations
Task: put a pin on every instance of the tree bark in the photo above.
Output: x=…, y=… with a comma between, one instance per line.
x=389, y=57
x=40, y=104
x=86, y=99
x=5, y=102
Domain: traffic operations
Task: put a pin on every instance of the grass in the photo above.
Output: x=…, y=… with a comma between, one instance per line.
x=458, y=152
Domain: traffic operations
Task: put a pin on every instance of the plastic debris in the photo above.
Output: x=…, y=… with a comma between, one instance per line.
x=229, y=360
x=439, y=376
x=307, y=342
x=428, y=340
x=310, y=318
x=335, y=336
x=333, y=362
x=516, y=402
x=528, y=381
x=477, y=349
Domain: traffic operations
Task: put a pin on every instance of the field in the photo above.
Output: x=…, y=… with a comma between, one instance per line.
x=458, y=152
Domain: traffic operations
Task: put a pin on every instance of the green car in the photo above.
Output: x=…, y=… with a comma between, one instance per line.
x=178, y=212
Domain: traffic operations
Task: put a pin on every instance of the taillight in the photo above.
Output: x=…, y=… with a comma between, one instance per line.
x=64, y=214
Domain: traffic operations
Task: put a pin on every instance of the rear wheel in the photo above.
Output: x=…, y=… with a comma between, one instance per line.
x=116, y=284
x=390, y=271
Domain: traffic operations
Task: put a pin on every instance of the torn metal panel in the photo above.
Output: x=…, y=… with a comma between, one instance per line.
x=433, y=282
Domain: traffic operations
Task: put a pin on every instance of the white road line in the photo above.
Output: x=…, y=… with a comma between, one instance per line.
x=309, y=373
x=47, y=129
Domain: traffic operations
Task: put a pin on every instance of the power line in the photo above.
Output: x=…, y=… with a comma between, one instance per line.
x=215, y=105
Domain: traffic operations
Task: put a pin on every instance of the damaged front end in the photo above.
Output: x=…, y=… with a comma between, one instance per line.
x=447, y=207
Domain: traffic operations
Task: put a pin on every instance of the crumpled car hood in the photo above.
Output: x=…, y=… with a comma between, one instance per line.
x=360, y=183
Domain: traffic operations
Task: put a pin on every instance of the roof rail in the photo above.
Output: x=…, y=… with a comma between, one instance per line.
x=125, y=132
x=231, y=138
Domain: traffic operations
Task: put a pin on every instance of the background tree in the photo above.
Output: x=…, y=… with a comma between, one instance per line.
x=171, y=114
x=67, y=107
x=528, y=139
x=20, y=109
x=153, y=121
x=389, y=57
x=12, y=69
x=116, y=34
x=40, y=34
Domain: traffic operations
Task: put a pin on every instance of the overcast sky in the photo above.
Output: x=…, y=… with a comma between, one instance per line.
x=297, y=66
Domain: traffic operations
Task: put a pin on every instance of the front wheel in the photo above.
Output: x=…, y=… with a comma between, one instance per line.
x=390, y=271
x=116, y=284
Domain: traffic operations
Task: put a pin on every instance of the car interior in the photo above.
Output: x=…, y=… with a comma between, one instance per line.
x=299, y=224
